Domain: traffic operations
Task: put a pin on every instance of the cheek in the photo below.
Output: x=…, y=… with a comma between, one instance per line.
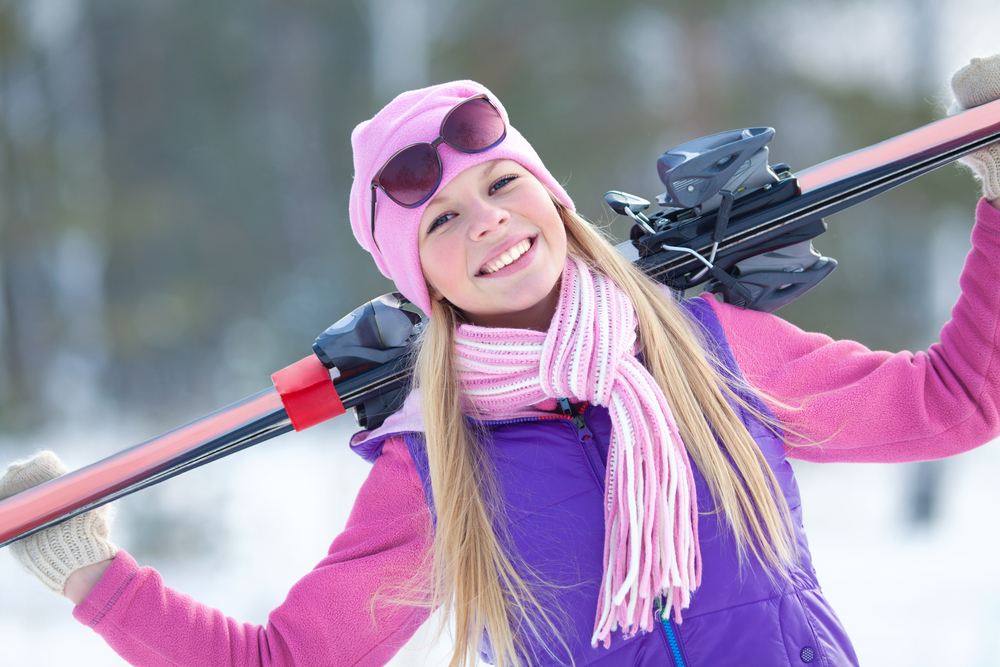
x=563, y=242
x=438, y=264
x=557, y=238
x=426, y=262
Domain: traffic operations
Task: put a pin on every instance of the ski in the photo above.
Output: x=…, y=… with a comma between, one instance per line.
x=729, y=220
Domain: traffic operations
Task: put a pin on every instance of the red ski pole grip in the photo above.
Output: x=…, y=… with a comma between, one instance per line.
x=307, y=392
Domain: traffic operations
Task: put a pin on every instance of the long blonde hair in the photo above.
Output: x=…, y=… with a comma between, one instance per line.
x=472, y=575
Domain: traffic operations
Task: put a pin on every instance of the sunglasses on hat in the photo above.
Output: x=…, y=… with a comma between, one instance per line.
x=414, y=172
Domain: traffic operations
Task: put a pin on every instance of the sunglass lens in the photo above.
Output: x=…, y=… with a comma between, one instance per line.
x=411, y=174
x=473, y=126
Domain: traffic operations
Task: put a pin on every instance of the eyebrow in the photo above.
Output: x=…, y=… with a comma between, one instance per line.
x=493, y=167
x=441, y=198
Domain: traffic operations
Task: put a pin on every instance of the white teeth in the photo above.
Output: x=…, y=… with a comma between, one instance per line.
x=508, y=257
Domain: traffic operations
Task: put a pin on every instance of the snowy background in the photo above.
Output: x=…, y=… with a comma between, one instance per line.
x=253, y=523
x=168, y=176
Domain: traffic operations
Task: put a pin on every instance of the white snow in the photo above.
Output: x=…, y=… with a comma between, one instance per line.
x=256, y=521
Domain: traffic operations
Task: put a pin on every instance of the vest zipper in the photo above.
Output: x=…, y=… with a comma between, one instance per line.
x=567, y=411
x=675, y=648
x=585, y=437
x=668, y=630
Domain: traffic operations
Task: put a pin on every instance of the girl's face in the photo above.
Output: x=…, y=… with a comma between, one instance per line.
x=493, y=244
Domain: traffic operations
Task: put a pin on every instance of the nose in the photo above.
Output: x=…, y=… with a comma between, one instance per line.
x=487, y=218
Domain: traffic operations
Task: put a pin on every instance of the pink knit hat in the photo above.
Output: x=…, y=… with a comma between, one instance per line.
x=412, y=117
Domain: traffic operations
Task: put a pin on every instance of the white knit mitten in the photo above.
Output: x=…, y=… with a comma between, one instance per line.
x=52, y=554
x=978, y=83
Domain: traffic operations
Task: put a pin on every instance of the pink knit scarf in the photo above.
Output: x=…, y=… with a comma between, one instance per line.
x=588, y=354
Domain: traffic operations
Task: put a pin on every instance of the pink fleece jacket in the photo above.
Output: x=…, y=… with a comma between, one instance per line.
x=857, y=404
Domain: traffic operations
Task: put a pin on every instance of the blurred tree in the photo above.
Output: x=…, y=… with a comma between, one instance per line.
x=26, y=210
x=174, y=176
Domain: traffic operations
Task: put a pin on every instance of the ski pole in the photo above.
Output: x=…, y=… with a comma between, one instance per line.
x=371, y=343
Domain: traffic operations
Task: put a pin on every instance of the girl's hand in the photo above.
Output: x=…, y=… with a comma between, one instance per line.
x=79, y=546
x=978, y=83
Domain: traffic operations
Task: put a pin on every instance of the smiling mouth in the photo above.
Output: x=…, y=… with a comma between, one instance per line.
x=509, y=256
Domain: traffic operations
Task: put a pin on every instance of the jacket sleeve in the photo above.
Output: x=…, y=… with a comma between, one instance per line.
x=840, y=401
x=338, y=614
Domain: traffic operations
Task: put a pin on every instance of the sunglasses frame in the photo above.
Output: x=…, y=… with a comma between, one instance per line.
x=376, y=185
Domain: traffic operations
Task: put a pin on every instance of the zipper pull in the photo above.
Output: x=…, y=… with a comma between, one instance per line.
x=567, y=411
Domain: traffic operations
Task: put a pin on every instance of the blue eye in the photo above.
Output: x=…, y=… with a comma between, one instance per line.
x=501, y=182
x=440, y=220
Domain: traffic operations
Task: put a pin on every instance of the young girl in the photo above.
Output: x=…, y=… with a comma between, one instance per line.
x=587, y=472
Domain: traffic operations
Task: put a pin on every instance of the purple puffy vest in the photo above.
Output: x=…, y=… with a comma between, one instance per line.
x=551, y=474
